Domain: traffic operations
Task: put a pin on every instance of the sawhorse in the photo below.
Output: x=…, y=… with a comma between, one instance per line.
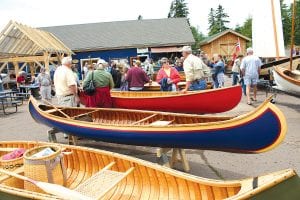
x=161, y=155
x=72, y=140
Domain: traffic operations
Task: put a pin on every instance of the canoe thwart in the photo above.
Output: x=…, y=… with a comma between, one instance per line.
x=144, y=119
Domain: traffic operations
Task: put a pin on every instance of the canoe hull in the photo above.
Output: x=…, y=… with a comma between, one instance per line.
x=249, y=136
x=284, y=84
x=207, y=101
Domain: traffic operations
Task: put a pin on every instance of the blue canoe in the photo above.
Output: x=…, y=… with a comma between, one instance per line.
x=257, y=131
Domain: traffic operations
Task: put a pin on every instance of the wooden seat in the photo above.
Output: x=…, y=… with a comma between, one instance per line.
x=102, y=182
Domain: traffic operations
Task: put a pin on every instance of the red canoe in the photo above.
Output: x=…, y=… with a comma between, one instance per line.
x=205, y=101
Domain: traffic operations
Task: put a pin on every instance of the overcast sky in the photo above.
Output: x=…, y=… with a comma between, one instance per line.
x=39, y=13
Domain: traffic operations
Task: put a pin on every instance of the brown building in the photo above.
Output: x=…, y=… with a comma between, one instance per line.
x=224, y=43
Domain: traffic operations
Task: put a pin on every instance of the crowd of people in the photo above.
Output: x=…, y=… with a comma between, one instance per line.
x=197, y=69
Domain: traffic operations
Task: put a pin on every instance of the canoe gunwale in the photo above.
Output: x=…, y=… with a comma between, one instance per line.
x=122, y=94
x=267, y=182
x=281, y=72
x=200, y=126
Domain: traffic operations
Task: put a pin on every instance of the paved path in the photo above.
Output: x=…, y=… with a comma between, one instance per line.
x=209, y=164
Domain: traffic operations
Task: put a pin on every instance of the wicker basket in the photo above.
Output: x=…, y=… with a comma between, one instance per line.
x=11, y=165
x=47, y=169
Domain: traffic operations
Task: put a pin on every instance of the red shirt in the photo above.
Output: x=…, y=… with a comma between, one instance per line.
x=136, y=77
x=20, y=79
x=174, y=75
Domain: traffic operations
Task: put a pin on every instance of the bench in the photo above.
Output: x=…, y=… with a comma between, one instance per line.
x=7, y=102
x=23, y=94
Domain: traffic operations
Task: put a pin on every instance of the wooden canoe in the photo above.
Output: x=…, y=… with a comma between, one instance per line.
x=206, y=101
x=151, y=181
x=284, y=63
x=286, y=80
x=245, y=134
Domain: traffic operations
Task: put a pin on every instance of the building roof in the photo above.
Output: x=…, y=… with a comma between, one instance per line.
x=20, y=40
x=218, y=35
x=125, y=34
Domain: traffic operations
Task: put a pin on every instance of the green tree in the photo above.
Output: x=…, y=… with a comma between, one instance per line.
x=246, y=29
x=198, y=36
x=286, y=22
x=178, y=8
x=213, y=29
x=221, y=19
x=297, y=23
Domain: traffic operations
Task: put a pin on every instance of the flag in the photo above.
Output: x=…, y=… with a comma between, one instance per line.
x=238, y=46
x=237, y=50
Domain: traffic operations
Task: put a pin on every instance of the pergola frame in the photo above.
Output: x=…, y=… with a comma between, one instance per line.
x=23, y=44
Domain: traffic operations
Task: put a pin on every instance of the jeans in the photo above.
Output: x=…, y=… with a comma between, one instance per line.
x=235, y=78
x=198, y=85
x=1, y=87
x=243, y=86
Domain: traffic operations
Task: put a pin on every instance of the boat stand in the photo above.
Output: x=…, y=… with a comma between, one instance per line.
x=72, y=140
x=163, y=159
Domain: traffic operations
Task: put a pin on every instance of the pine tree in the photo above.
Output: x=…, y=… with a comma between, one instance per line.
x=297, y=23
x=221, y=19
x=198, y=36
x=246, y=29
x=286, y=22
x=212, y=23
x=178, y=8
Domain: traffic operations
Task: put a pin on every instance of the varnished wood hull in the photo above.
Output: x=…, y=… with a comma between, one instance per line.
x=206, y=101
x=285, y=81
x=268, y=67
x=151, y=181
x=245, y=134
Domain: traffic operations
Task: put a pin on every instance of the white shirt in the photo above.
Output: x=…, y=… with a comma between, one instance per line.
x=63, y=79
x=236, y=66
x=251, y=64
x=193, y=68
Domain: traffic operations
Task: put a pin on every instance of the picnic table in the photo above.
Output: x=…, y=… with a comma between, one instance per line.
x=9, y=100
x=34, y=90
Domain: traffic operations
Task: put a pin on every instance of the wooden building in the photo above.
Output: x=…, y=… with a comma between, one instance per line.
x=125, y=40
x=224, y=43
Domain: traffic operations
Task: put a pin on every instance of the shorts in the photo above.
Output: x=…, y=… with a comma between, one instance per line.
x=67, y=101
x=250, y=80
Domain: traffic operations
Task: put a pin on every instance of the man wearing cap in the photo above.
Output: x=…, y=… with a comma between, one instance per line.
x=250, y=68
x=194, y=69
x=104, y=83
x=65, y=84
x=65, y=89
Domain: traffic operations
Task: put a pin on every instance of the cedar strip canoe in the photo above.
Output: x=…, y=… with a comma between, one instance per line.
x=246, y=133
x=152, y=181
x=205, y=101
x=286, y=80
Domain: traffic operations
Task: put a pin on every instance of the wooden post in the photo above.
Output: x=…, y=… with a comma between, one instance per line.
x=32, y=69
x=16, y=65
x=293, y=34
x=275, y=30
x=46, y=60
